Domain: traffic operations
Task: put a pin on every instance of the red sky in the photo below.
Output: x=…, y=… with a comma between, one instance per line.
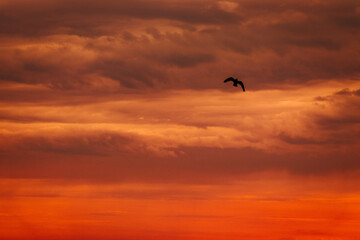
x=115, y=122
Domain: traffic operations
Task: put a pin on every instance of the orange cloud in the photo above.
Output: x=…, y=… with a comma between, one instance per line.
x=251, y=132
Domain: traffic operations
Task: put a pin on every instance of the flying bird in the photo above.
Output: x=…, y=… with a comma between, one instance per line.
x=236, y=82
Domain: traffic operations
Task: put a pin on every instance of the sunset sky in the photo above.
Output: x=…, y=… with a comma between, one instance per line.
x=115, y=122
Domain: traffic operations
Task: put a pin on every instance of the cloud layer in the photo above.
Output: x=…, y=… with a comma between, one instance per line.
x=173, y=44
x=303, y=131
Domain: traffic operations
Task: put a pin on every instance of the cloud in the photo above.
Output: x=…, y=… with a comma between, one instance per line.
x=122, y=137
x=347, y=91
x=64, y=142
x=43, y=18
x=195, y=166
x=139, y=86
x=187, y=60
x=167, y=44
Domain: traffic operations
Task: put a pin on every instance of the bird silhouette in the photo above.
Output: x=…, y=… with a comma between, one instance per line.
x=236, y=82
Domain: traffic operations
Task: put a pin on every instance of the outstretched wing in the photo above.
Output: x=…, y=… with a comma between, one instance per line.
x=229, y=79
x=242, y=85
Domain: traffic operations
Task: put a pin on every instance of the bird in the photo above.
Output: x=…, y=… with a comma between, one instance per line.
x=236, y=82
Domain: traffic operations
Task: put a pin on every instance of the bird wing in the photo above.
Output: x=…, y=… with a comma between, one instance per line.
x=242, y=85
x=229, y=79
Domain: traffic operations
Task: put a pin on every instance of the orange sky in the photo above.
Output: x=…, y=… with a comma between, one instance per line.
x=115, y=122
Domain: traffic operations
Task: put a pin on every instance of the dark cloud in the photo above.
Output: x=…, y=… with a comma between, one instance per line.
x=187, y=60
x=56, y=67
x=348, y=92
x=299, y=140
x=320, y=98
x=91, y=17
x=77, y=143
x=344, y=104
x=331, y=139
x=335, y=122
x=194, y=166
x=344, y=91
x=130, y=73
x=166, y=44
